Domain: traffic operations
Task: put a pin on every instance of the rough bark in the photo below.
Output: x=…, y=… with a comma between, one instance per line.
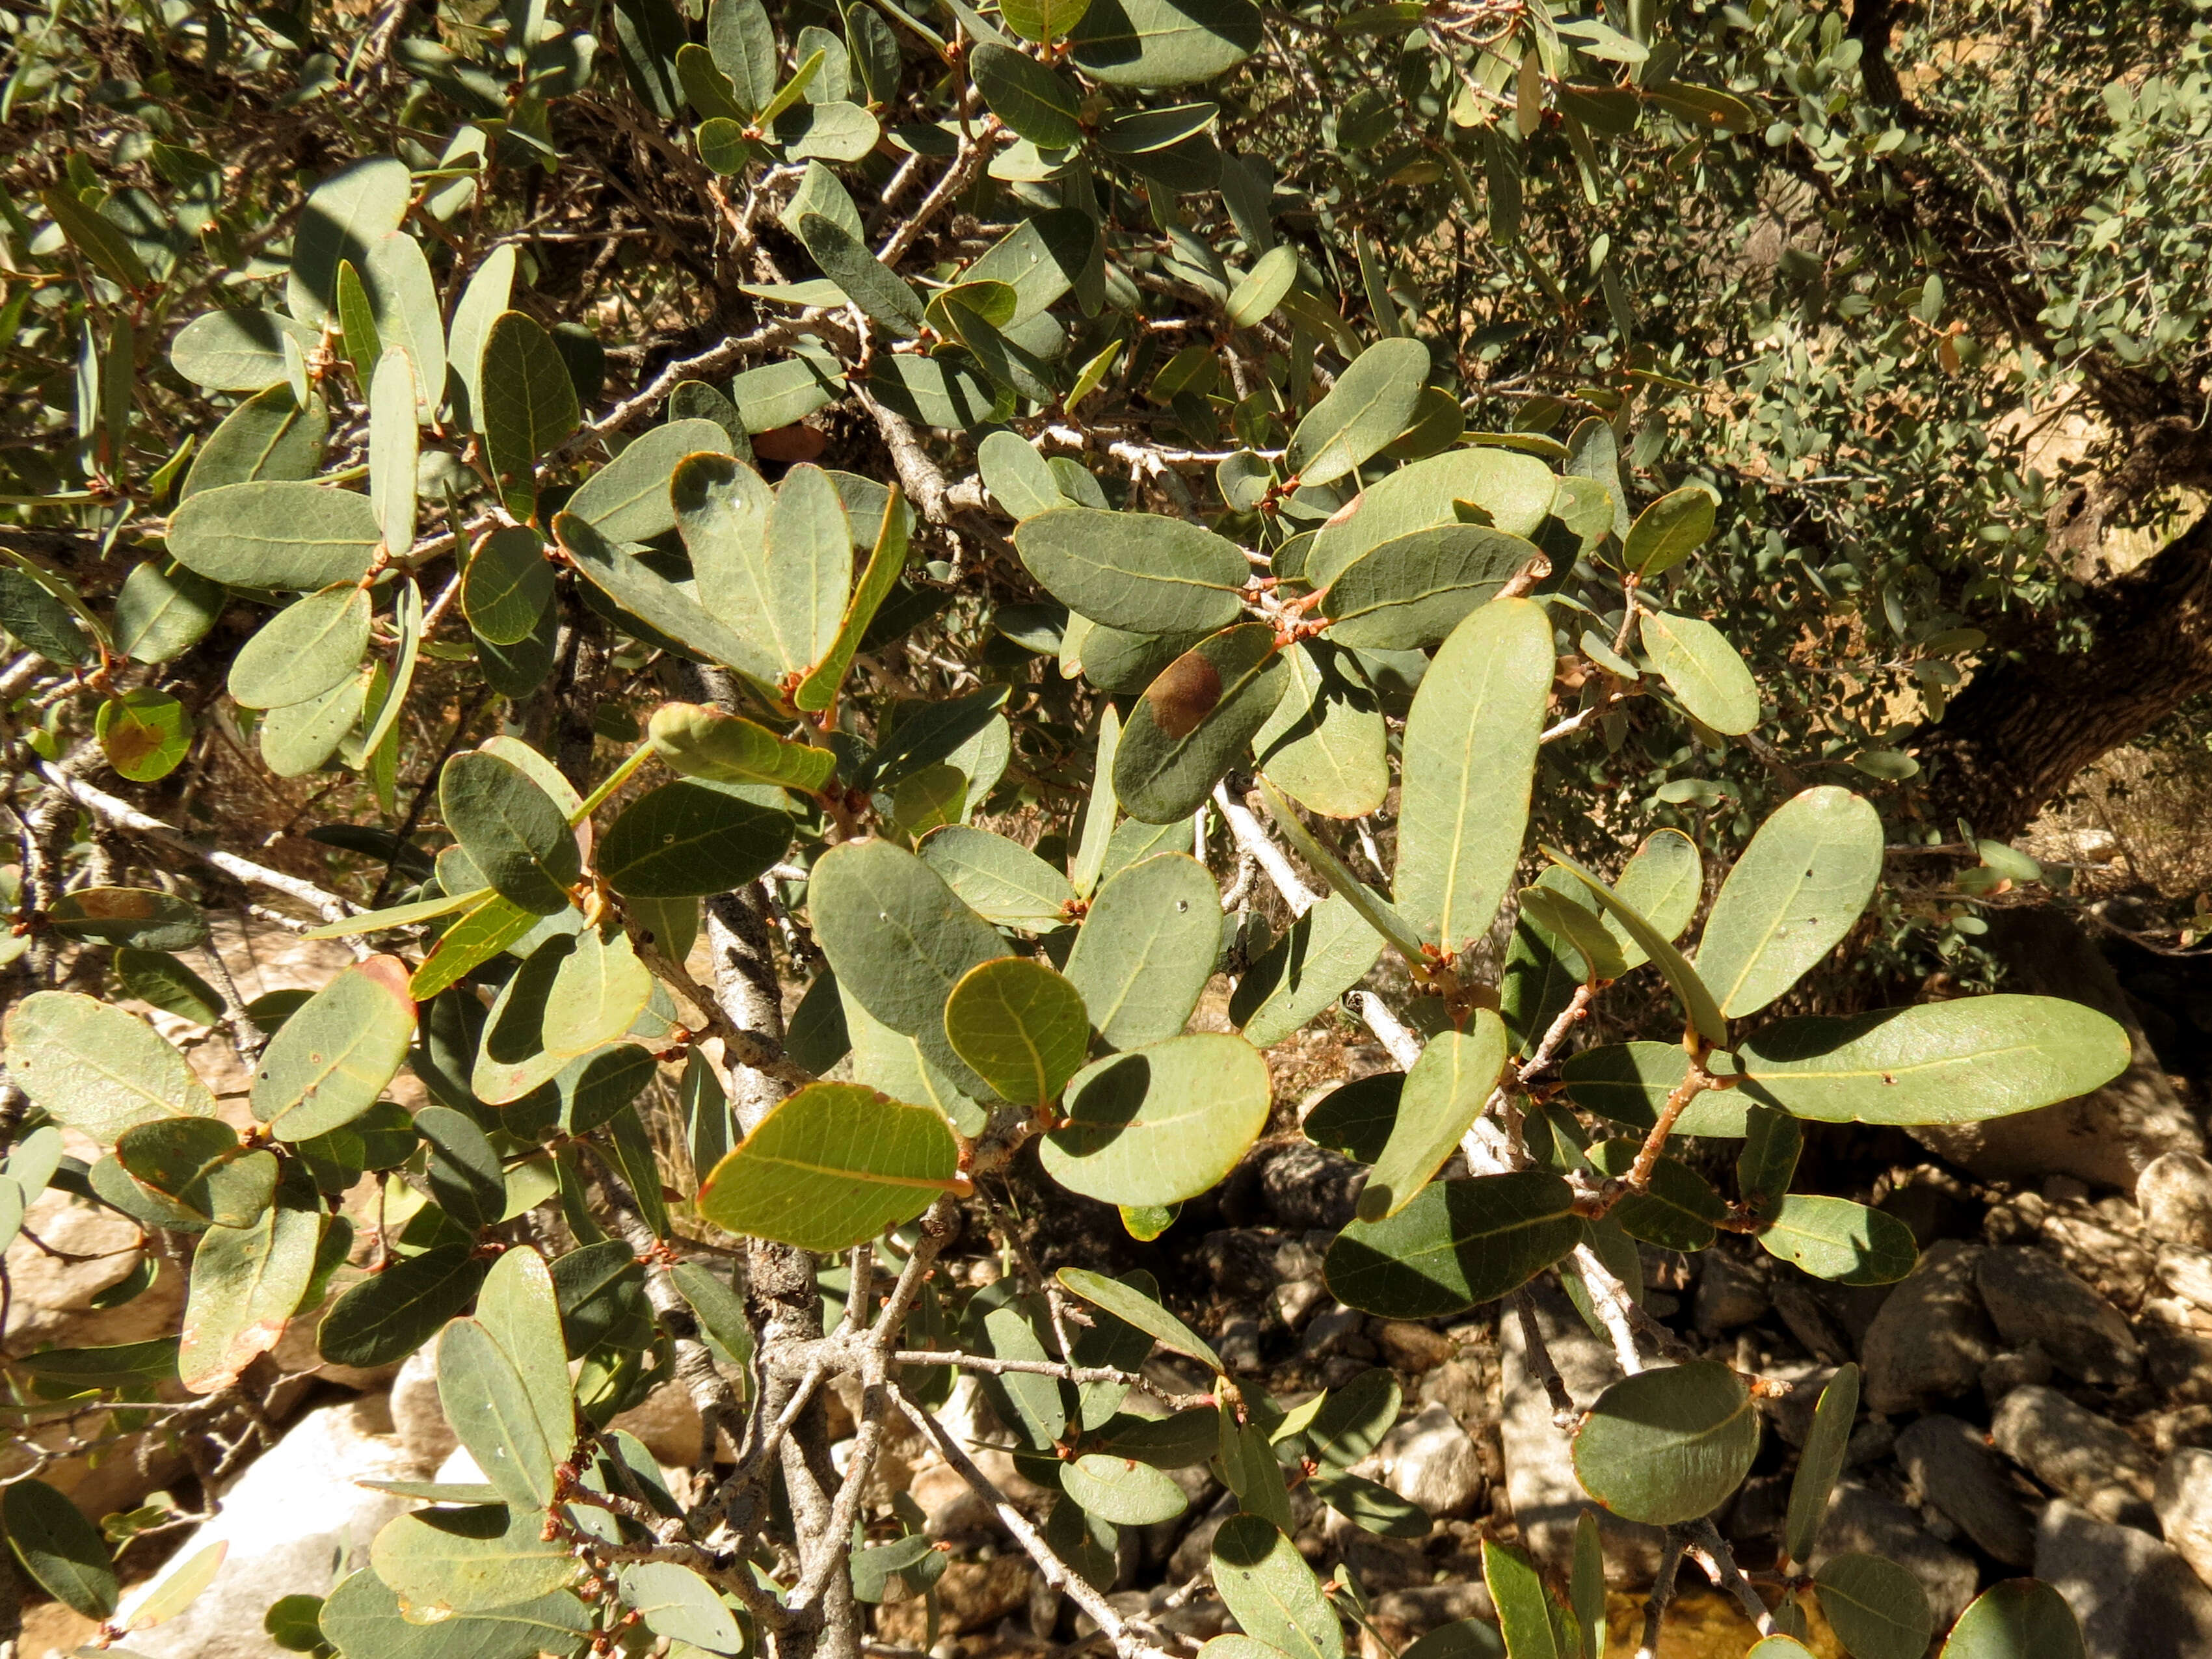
x=2028, y=723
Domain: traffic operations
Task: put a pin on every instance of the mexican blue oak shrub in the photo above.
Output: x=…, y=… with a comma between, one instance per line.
x=1378, y=616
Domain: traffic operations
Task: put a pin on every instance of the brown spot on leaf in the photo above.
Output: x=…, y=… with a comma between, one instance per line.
x=115, y=903
x=789, y=444
x=1184, y=694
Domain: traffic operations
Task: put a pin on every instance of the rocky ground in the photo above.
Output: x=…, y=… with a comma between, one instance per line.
x=2037, y=1397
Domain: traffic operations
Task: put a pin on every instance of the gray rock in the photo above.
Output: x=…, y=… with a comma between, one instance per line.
x=2016, y=1368
x=2105, y=1138
x=1458, y=1386
x=1860, y=1520
x=2187, y=1272
x=2183, y=1496
x=2135, y=1599
x=2177, y=1349
x=2075, y=1452
x=1424, y=1607
x=418, y=1417
x=1238, y=1342
x=1428, y=1460
x=1956, y=1473
x=1872, y=1442
x=2031, y=1297
x=1240, y=1260
x=1297, y=1299
x=1731, y=1292
x=2174, y=1194
x=1932, y=1337
x=1539, y=1474
x=1308, y=1186
x=1381, y=1564
x=1336, y=1332
x=295, y=1522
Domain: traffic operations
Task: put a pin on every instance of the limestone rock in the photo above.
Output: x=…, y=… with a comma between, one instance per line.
x=1406, y=1613
x=2185, y=1507
x=1428, y=1460
x=668, y=1425
x=294, y=1521
x=92, y=1248
x=1539, y=1474
x=2087, y=1458
x=949, y=1506
x=2032, y=1298
x=417, y=1416
x=1956, y=1473
x=2174, y=1194
x=1931, y=1338
x=2177, y=1339
x=2105, y=1138
x=2135, y=1599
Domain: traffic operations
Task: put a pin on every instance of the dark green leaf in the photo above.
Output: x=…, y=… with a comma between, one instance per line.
x=1951, y=1062
x=1458, y=1243
x=1668, y=1444
x=691, y=837
x=1196, y=720
x=61, y=1550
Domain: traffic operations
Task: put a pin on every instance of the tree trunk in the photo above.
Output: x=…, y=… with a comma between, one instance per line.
x=2029, y=722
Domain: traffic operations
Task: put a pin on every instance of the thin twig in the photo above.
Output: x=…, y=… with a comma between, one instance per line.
x=1054, y=1571
x=1255, y=841
x=123, y=816
x=1662, y=1592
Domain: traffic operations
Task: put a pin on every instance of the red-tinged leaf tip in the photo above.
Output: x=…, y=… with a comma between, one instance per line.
x=391, y=975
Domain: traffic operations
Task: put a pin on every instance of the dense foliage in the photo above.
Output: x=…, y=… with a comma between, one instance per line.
x=828, y=511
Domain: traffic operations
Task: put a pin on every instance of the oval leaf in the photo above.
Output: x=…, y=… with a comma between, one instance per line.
x=96, y=1068
x=1443, y=1093
x=1161, y=1124
x=1876, y=1607
x=1371, y=404
x=1196, y=720
x=1797, y=890
x=1022, y=1027
x=1834, y=1238
x=1950, y=1062
x=1272, y=1592
x=1458, y=1243
x=514, y=833
x=1702, y=669
x=337, y=1052
x=690, y=837
x=831, y=1165
x=276, y=533
x=1668, y=1444
x=2016, y=1619
x=1138, y=571
x=1147, y=948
